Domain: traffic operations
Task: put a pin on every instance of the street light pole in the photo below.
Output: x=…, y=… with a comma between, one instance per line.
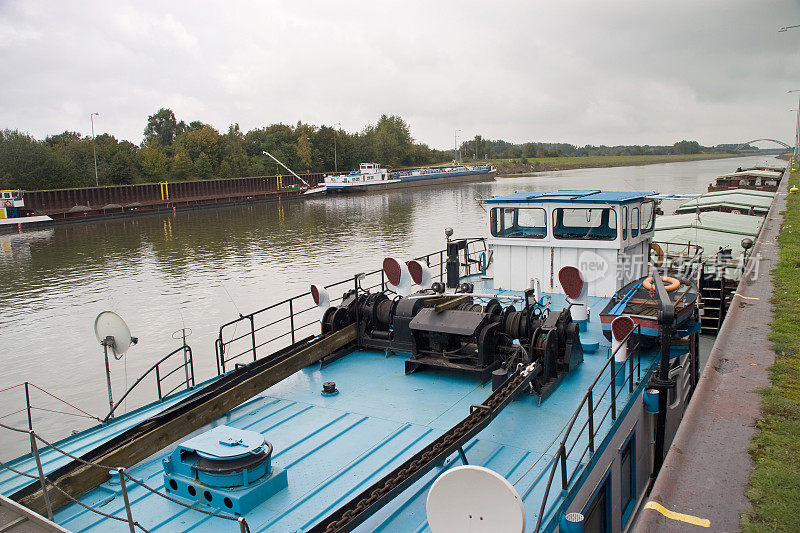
x=335, y=158
x=455, y=145
x=94, y=150
x=797, y=127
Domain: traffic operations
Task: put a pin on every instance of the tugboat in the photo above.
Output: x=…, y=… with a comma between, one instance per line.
x=468, y=389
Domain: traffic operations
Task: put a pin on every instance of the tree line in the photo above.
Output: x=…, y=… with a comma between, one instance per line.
x=175, y=150
x=480, y=148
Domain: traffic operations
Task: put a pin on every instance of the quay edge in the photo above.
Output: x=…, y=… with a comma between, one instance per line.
x=707, y=468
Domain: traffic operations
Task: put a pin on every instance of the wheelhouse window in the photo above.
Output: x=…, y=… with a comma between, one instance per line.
x=648, y=216
x=598, y=224
x=521, y=222
x=635, y=222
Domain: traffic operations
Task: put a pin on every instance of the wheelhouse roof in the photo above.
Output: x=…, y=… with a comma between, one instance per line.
x=572, y=196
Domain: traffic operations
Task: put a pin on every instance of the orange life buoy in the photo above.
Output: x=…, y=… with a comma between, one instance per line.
x=659, y=253
x=672, y=283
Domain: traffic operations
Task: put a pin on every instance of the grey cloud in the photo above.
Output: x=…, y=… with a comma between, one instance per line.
x=582, y=72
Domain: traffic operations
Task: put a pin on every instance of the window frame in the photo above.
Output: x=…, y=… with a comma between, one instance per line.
x=624, y=218
x=498, y=214
x=652, y=220
x=604, y=485
x=606, y=227
x=635, y=232
x=627, y=508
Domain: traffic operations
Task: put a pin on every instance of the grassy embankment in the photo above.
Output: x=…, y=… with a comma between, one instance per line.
x=775, y=483
x=543, y=164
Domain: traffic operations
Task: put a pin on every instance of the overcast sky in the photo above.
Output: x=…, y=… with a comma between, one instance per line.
x=595, y=72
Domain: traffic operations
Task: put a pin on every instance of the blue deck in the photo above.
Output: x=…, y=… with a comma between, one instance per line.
x=333, y=447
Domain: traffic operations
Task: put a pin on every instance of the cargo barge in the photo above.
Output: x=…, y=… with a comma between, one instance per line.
x=468, y=389
x=370, y=177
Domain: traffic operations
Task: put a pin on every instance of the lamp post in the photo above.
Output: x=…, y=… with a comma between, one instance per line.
x=94, y=151
x=797, y=126
x=455, y=145
x=335, y=158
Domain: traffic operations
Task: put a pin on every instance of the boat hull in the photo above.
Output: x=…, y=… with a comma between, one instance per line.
x=407, y=182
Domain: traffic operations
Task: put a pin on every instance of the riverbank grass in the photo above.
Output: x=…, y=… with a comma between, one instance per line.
x=545, y=164
x=774, y=490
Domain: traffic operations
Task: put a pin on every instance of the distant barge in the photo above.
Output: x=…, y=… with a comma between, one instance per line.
x=370, y=177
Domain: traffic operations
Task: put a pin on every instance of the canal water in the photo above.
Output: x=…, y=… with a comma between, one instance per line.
x=199, y=269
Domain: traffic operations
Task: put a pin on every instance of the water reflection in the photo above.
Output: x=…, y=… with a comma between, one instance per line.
x=201, y=268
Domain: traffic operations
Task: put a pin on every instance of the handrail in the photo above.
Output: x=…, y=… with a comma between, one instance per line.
x=588, y=400
x=29, y=406
x=123, y=474
x=221, y=345
x=187, y=364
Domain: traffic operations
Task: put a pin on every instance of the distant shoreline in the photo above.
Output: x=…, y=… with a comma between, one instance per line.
x=515, y=167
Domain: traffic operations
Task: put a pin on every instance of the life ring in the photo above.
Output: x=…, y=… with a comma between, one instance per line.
x=672, y=283
x=656, y=249
x=9, y=203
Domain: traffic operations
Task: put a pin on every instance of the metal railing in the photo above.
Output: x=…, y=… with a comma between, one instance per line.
x=590, y=404
x=29, y=407
x=47, y=486
x=187, y=365
x=284, y=323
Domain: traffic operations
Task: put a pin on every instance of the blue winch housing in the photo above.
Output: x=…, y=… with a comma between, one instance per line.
x=225, y=468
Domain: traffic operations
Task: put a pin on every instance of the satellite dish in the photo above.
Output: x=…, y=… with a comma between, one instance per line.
x=475, y=499
x=110, y=324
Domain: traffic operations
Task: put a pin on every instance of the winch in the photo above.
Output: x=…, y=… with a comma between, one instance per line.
x=452, y=332
x=226, y=468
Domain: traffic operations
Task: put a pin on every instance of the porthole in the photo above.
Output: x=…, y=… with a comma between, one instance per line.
x=228, y=503
x=207, y=495
x=192, y=491
x=173, y=484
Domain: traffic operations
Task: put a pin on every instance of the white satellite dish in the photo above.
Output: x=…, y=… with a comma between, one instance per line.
x=110, y=324
x=475, y=499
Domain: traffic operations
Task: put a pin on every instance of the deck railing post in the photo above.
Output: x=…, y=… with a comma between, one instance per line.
x=191, y=364
x=242, y=525
x=291, y=318
x=441, y=266
x=613, y=394
x=383, y=281
x=590, y=404
x=35, y=452
x=253, y=334
x=630, y=374
x=219, y=350
x=124, y=488
x=28, y=406
x=563, y=454
x=158, y=382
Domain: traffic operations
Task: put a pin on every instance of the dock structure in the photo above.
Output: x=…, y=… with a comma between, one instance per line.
x=707, y=468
